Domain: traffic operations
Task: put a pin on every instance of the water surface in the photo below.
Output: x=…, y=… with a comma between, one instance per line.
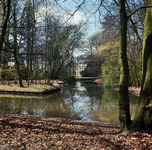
x=81, y=101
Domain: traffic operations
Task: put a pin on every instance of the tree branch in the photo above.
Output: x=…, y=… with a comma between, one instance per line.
x=138, y=10
x=116, y=3
x=74, y=12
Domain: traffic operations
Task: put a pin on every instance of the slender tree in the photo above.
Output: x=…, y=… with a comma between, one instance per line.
x=15, y=47
x=28, y=5
x=124, y=113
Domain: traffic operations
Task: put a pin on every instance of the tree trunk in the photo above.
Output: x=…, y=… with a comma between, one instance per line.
x=58, y=70
x=46, y=51
x=143, y=117
x=17, y=68
x=15, y=47
x=53, y=71
x=28, y=42
x=124, y=114
x=28, y=57
x=4, y=24
x=33, y=40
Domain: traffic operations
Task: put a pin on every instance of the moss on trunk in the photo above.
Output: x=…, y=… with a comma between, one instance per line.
x=124, y=113
x=4, y=24
x=143, y=117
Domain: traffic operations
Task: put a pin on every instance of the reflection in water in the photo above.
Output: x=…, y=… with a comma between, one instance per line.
x=80, y=101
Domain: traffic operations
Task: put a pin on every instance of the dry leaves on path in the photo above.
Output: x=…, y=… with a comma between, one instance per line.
x=19, y=131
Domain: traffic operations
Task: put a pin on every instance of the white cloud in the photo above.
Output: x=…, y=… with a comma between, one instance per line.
x=41, y=14
x=75, y=19
x=64, y=16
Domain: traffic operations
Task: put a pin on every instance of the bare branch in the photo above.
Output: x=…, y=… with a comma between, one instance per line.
x=99, y=6
x=138, y=10
x=74, y=12
x=116, y=2
x=62, y=8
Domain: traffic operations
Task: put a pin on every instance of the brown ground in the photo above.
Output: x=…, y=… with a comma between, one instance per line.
x=133, y=90
x=100, y=80
x=33, y=132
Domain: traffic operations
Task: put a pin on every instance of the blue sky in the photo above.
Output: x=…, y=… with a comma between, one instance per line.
x=85, y=13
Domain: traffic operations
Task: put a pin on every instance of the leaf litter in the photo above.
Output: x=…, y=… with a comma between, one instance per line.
x=21, y=132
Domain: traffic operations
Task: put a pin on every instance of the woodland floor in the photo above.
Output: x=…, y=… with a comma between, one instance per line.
x=19, y=131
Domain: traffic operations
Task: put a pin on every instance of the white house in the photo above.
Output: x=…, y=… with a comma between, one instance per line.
x=81, y=64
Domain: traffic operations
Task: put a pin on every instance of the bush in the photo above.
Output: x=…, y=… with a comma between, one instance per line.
x=71, y=79
x=110, y=71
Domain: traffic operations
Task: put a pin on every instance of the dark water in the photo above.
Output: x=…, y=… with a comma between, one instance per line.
x=80, y=101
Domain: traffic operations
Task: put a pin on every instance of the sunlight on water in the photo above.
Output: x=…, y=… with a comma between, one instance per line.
x=80, y=101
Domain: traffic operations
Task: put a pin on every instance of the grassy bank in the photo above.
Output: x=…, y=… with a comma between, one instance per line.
x=39, y=87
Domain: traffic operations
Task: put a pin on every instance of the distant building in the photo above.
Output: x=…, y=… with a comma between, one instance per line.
x=11, y=63
x=81, y=64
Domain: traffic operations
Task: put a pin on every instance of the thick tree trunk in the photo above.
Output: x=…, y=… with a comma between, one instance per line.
x=124, y=114
x=4, y=24
x=143, y=117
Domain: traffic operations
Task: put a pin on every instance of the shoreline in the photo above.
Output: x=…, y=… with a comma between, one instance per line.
x=40, y=88
x=30, y=93
x=56, y=85
x=132, y=90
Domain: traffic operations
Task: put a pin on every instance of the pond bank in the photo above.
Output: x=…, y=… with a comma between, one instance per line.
x=19, y=131
x=133, y=90
x=38, y=88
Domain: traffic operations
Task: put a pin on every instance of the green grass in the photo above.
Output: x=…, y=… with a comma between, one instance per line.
x=26, y=89
x=35, y=88
x=86, y=77
x=20, y=96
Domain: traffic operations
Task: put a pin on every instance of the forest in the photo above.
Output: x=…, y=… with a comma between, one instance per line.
x=42, y=41
x=36, y=43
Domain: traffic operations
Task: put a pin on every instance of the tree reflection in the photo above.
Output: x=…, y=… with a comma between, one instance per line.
x=80, y=101
x=94, y=90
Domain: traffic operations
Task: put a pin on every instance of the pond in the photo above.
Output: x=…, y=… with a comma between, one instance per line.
x=87, y=101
